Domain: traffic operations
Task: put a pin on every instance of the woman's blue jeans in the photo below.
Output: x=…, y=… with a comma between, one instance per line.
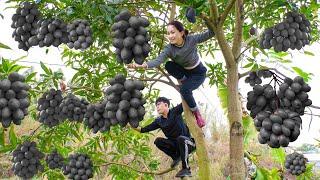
x=194, y=78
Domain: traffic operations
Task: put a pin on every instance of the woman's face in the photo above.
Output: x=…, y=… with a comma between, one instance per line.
x=174, y=36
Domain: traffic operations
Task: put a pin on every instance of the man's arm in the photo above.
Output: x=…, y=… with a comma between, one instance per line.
x=178, y=109
x=201, y=37
x=153, y=126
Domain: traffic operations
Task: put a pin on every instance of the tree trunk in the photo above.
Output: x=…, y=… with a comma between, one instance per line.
x=237, y=169
x=202, y=152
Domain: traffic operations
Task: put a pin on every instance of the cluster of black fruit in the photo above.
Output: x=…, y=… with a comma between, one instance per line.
x=262, y=98
x=26, y=160
x=50, y=32
x=79, y=167
x=96, y=117
x=14, y=100
x=54, y=160
x=191, y=15
x=130, y=37
x=293, y=33
x=24, y=22
x=293, y=94
x=80, y=35
x=31, y=30
x=125, y=101
x=255, y=76
x=295, y=163
x=49, y=107
x=73, y=108
x=277, y=114
x=278, y=128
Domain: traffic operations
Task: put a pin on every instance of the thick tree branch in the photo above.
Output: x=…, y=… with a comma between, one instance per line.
x=164, y=25
x=137, y=170
x=208, y=22
x=225, y=48
x=219, y=34
x=237, y=38
x=214, y=12
x=225, y=13
x=172, y=12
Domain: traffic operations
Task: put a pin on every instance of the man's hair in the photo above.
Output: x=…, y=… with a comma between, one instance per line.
x=164, y=100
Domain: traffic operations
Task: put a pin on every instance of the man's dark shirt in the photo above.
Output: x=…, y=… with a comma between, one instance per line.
x=172, y=126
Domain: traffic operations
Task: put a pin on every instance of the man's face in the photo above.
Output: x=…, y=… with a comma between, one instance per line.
x=162, y=107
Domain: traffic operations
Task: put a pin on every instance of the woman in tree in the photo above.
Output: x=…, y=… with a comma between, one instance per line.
x=185, y=66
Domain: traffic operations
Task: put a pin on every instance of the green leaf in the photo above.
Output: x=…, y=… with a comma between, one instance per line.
x=15, y=68
x=5, y=65
x=248, y=65
x=304, y=75
x=3, y=46
x=76, y=134
x=262, y=174
x=274, y=174
x=2, y=137
x=308, y=174
x=309, y=53
x=223, y=96
x=30, y=76
x=5, y=149
x=249, y=130
x=45, y=68
x=279, y=155
x=12, y=136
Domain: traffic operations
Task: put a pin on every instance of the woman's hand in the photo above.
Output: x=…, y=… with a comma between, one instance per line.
x=135, y=66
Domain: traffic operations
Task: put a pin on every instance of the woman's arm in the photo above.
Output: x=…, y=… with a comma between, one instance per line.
x=160, y=59
x=201, y=37
x=154, y=63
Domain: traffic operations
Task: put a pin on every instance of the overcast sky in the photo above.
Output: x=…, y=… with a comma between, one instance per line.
x=206, y=94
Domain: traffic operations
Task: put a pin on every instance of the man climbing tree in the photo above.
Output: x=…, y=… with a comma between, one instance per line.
x=179, y=142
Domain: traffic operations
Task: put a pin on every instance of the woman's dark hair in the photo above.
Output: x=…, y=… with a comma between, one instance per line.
x=180, y=27
x=164, y=100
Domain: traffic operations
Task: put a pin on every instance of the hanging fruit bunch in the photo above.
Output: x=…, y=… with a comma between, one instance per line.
x=277, y=109
x=24, y=23
x=294, y=33
x=130, y=38
x=14, y=101
x=125, y=101
x=295, y=163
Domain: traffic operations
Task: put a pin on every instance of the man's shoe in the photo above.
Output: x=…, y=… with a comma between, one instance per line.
x=185, y=172
x=175, y=162
x=200, y=121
